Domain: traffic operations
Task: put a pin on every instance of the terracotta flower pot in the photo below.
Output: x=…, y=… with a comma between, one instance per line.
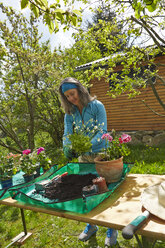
x=110, y=170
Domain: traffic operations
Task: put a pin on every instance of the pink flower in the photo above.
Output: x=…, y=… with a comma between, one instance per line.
x=40, y=150
x=125, y=138
x=120, y=140
x=11, y=155
x=27, y=151
x=107, y=136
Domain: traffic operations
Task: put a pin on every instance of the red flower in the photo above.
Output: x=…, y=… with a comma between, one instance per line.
x=40, y=150
x=27, y=151
x=126, y=138
x=11, y=155
x=107, y=136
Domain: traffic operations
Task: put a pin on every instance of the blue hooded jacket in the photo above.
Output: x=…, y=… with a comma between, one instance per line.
x=93, y=116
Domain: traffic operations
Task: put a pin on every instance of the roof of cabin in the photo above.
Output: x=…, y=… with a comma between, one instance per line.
x=88, y=65
x=97, y=62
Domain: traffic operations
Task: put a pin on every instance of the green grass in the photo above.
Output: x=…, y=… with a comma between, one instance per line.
x=55, y=232
x=147, y=160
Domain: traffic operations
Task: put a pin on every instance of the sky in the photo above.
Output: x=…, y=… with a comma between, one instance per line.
x=64, y=39
x=61, y=38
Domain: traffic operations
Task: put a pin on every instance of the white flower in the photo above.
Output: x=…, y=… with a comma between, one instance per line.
x=98, y=139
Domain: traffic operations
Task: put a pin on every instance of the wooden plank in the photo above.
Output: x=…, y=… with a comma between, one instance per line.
x=129, y=110
x=21, y=238
x=138, y=117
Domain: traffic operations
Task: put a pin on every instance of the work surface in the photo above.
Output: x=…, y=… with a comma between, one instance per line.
x=117, y=211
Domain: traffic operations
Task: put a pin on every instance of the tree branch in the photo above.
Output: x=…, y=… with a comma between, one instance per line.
x=156, y=94
x=39, y=8
x=143, y=101
x=9, y=147
x=143, y=24
x=30, y=108
x=153, y=31
x=11, y=134
x=161, y=79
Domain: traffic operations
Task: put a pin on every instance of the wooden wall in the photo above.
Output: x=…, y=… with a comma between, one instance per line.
x=125, y=114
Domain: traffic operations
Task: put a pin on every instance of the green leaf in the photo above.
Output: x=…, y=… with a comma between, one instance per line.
x=77, y=12
x=56, y=25
x=59, y=11
x=51, y=27
x=53, y=6
x=60, y=17
x=151, y=7
x=74, y=20
x=44, y=3
x=35, y=10
x=24, y=3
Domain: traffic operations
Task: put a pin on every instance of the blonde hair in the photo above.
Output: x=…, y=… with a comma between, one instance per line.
x=83, y=93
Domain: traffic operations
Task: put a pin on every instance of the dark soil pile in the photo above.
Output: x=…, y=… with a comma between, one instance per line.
x=68, y=187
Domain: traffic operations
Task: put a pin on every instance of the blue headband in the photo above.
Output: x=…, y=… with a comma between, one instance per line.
x=68, y=86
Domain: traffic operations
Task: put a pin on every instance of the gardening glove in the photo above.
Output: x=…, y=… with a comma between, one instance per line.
x=69, y=153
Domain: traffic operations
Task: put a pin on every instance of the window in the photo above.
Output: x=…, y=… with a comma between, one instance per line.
x=134, y=75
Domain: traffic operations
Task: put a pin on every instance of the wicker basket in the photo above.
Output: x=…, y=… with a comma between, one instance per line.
x=110, y=170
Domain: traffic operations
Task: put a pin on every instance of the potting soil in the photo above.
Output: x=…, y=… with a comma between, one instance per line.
x=68, y=187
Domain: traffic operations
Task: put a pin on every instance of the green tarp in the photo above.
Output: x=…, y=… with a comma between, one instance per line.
x=27, y=193
x=18, y=181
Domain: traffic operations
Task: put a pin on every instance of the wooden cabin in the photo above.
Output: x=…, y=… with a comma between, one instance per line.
x=125, y=114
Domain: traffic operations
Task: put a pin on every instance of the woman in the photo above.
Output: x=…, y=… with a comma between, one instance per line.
x=83, y=109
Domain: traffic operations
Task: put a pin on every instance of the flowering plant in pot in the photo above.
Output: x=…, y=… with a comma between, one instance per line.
x=8, y=168
x=27, y=164
x=79, y=142
x=32, y=161
x=109, y=163
x=41, y=158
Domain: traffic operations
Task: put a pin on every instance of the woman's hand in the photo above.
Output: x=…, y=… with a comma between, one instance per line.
x=69, y=153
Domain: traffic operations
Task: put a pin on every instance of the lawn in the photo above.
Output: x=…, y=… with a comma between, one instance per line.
x=49, y=231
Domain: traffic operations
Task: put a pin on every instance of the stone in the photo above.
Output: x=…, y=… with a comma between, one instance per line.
x=159, y=139
x=135, y=140
x=147, y=139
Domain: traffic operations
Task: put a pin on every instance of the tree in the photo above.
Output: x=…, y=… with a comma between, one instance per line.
x=146, y=42
x=53, y=14
x=142, y=19
x=29, y=103
x=96, y=40
x=103, y=18
x=148, y=27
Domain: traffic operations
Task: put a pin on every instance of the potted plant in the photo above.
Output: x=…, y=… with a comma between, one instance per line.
x=80, y=144
x=31, y=162
x=27, y=165
x=109, y=163
x=80, y=141
x=43, y=160
x=8, y=168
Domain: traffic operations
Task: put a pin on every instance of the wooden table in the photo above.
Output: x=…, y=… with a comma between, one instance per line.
x=117, y=211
